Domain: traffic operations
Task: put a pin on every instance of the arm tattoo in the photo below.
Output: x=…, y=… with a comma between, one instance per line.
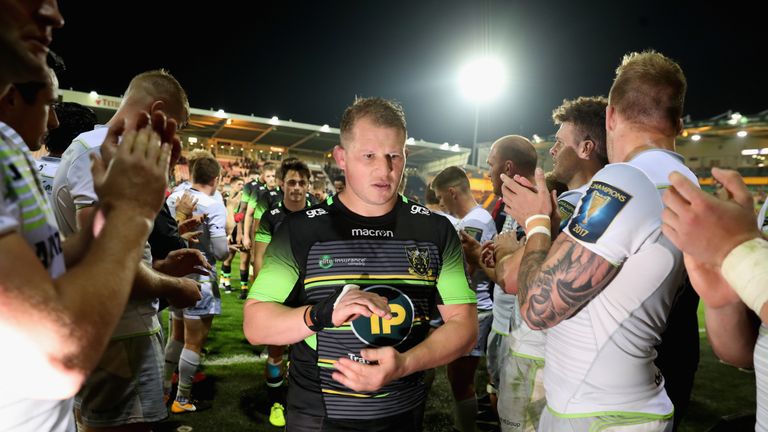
x=555, y=284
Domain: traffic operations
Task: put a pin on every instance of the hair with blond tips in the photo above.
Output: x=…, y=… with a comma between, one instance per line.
x=649, y=90
x=382, y=112
x=161, y=85
x=587, y=114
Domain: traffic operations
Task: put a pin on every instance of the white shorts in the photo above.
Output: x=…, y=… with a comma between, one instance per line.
x=521, y=393
x=551, y=422
x=209, y=303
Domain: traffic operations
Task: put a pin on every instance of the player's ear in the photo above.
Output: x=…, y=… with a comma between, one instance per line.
x=340, y=156
x=586, y=148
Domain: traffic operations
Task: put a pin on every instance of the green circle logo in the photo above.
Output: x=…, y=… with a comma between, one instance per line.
x=326, y=262
x=378, y=332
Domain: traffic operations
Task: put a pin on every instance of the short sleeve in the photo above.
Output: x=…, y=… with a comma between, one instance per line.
x=619, y=211
x=260, y=204
x=79, y=179
x=278, y=276
x=452, y=281
x=264, y=232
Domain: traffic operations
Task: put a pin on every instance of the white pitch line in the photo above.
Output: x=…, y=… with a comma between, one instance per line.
x=236, y=359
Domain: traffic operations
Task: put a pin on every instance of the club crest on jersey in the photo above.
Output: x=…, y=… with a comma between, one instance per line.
x=377, y=331
x=418, y=257
x=599, y=207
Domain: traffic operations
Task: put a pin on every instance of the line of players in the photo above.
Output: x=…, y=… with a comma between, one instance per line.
x=602, y=281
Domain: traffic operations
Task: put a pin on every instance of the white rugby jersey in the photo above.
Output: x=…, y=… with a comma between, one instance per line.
x=479, y=224
x=601, y=359
x=525, y=341
x=214, y=224
x=73, y=189
x=46, y=168
x=25, y=210
x=187, y=185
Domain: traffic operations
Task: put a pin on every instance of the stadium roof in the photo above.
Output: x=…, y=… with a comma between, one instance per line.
x=253, y=133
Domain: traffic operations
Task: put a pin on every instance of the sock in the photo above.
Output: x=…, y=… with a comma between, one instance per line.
x=172, y=354
x=188, y=363
x=274, y=372
x=466, y=415
x=226, y=274
x=243, y=279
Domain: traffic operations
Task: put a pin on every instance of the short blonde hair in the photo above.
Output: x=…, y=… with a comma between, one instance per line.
x=649, y=90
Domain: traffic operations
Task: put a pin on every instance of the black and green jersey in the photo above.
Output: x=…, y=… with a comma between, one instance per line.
x=271, y=220
x=411, y=256
x=265, y=199
x=250, y=190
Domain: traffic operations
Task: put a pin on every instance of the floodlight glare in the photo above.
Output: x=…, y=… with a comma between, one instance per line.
x=482, y=79
x=696, y=137
x=741, y=133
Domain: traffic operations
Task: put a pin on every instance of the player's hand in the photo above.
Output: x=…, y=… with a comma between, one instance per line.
x=186, y=204
x=186, y=294
x=182, y=262
x=136, y=178
x=523, y=200
x=246, y=243
x=191, y=224
x=709, y=283
x=388, y=365
x=356, y=303
x=472, y=248
x=487, y=253
x=191, y=237
x=689, y=212
x=506, y=244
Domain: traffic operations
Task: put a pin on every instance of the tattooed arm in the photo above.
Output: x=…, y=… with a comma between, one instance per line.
x=555, y=283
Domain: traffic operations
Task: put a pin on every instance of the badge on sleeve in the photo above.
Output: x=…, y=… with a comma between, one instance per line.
x=599, y=207
x=565, y=209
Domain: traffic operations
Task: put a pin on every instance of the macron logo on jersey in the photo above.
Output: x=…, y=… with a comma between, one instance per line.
x=316, y=212
x=363, y=232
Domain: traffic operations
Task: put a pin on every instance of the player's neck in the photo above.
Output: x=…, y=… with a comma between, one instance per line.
x=633, y=142
x=204, y=188
x=362, y=208
x=465, y=205
x=582, y=176
x=294, y=206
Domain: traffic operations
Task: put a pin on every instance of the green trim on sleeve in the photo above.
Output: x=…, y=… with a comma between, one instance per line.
x=280, y=272
x=452, y=280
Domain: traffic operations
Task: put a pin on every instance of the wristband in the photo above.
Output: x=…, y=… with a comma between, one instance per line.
x=744, y=270
x=321, y=314
x=536, y=216
x=539, y=230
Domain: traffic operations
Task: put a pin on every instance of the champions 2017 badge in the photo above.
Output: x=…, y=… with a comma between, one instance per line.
x=599, y=207
x=378, y=332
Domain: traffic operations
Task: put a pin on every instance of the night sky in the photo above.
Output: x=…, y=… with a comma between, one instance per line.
x=306, y=61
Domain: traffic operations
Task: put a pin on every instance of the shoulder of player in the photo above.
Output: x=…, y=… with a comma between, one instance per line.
x=83, y=145
x=319, y=213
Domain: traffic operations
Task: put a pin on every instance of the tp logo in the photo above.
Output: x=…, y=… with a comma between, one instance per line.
x=378, y=332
